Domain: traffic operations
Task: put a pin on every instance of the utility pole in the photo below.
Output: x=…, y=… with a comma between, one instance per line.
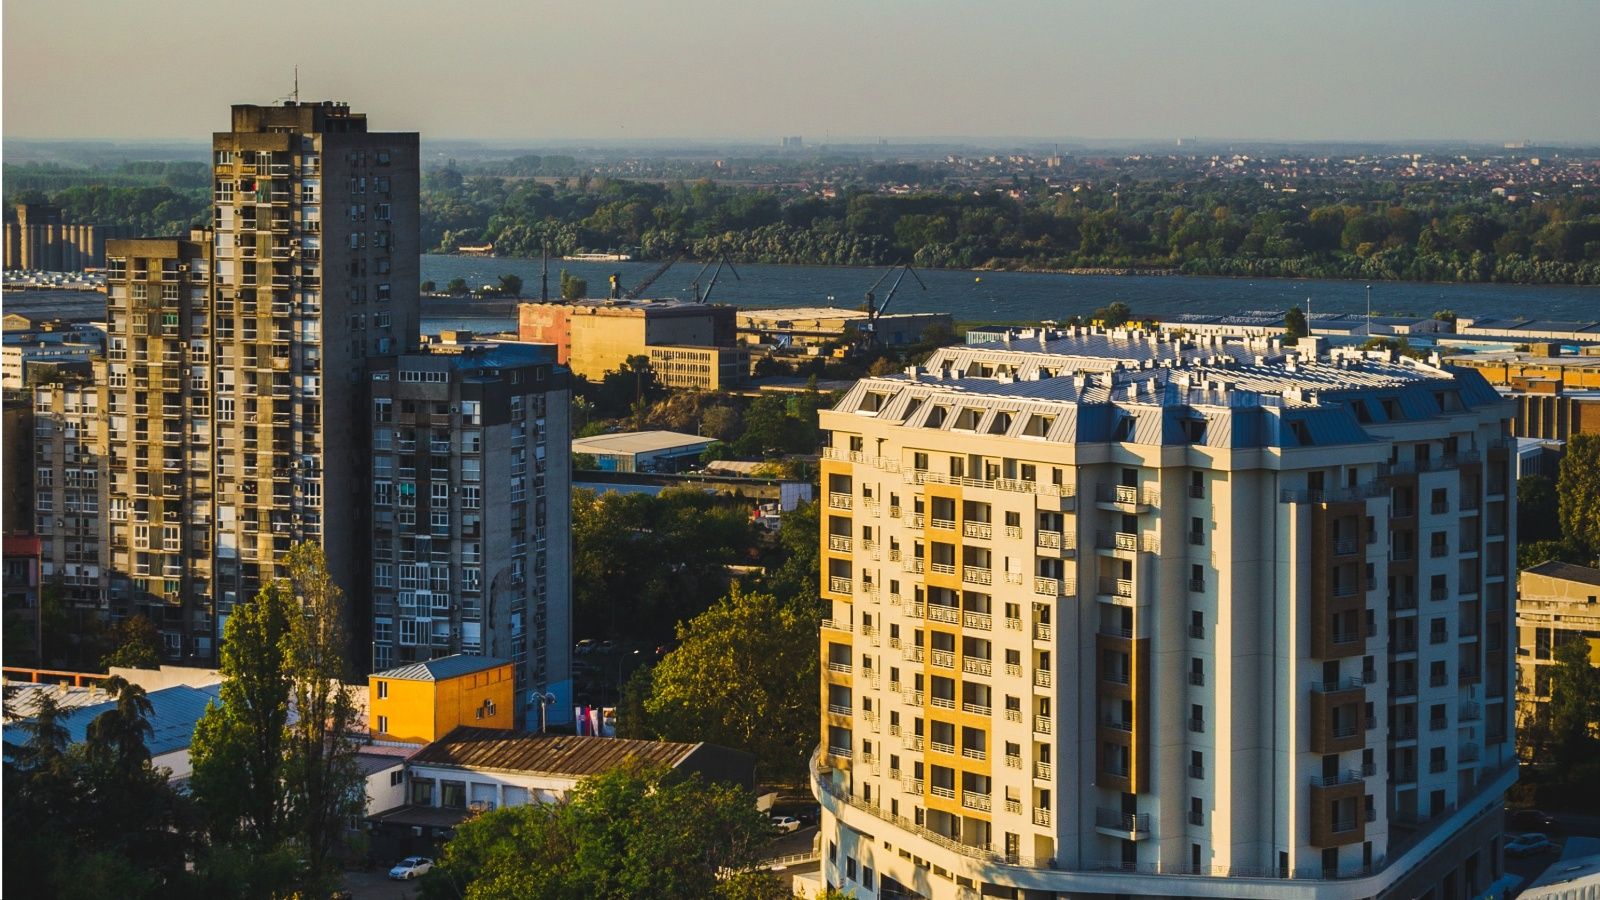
x=544, y=268
x=1369, y=311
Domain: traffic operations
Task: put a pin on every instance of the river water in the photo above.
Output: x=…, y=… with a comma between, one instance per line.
x=1026, y=296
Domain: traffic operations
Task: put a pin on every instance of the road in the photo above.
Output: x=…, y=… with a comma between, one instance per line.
x=377, y=886
x=1570, y=825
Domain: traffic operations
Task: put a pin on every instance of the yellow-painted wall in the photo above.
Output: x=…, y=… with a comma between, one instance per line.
x=419, y=712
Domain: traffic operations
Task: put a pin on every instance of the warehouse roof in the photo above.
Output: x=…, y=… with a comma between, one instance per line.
x=1567, y=572
x=544, y=754
x=634, y=442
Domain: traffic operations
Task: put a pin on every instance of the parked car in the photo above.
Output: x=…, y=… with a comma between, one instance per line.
x=1530, y=820
x=785, y=824
x=1529, y=844
x=607, y=646
x=411, y=867
x=584, y=647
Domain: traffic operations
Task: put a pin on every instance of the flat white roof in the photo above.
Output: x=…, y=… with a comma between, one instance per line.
x=630, y=443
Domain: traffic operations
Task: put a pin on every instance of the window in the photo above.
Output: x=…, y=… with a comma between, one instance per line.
x=383, y=724
x=453, y=794
x=397, y=777
x=422, y=791
x=471, y=497
x=383, y=694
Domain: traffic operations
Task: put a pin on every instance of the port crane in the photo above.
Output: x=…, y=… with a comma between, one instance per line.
x=875, y=309
x=721, y=261
x=644, y=284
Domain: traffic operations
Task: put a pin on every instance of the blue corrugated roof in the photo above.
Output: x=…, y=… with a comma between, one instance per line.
x=174, y=712
x=444, y=667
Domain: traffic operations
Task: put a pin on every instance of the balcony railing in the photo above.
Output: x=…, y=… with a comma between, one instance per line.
x=1041, y=724
x=838, y=500
x=839, y=543
x=1116, y=820
x=980, y=530
x=1041, y=677
x=976, y=620
x=974, y=666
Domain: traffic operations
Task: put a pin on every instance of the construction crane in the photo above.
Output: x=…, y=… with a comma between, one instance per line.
x=721, y=261
x=875, y=309
x=638, y=289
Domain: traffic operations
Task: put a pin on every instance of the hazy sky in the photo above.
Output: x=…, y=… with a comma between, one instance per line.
x=757, y=69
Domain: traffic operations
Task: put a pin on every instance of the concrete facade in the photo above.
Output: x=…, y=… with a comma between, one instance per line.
x=1126, y=614
x=36, y=237
x=316, y=272
x=71, y=479
x=692, y=342
x=1556, y=602
x=470, y=498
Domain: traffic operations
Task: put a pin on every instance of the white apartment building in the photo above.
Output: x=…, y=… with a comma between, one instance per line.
x=1128, y=614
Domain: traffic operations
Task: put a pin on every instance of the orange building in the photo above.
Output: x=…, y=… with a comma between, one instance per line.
x=421, y=702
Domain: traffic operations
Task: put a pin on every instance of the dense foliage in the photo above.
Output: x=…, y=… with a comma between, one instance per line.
x=156, y=198
x=635, y=831
x=642, y=563
x=1377, y=229
x=93, y=819
x=266, y=782
x=744, y=675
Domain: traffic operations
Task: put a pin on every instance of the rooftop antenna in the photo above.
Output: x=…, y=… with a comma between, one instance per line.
x=297, y=85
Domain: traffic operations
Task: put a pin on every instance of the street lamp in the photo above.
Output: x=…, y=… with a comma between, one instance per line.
x=621, y=658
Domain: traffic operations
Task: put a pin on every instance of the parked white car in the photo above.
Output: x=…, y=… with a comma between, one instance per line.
x=411, y=867
x=785, y=824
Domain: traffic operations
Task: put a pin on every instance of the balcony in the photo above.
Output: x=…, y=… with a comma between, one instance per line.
x=837, y=500
x=1041, y=631
x=976, y=621
x=1041, y=771
x=1041, y=678
x=937, y=612
x=1041, y=817
x=973, y=800
x=944, y=659
x=942, y=524
x=839, y=585
x=1049, y=587
x=1121, y=497
x=974, y=666
x=1115, y=823
x=979, y=530
x=1041, y=724
x=839, y=543
x=976, y=575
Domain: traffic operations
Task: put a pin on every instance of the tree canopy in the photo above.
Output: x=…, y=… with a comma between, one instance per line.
x=635, y=831
x=744, y=675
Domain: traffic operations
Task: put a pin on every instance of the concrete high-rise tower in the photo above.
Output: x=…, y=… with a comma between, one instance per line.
x=237, y=366
x=316, y=271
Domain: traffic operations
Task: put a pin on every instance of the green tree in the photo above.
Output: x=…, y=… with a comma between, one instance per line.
x=510, y=285
x=1532, y=553
x=428, y=287
x=457, y=287
x=261, y=780
x=744, y=675
x=324, y=785
x=573, y=287
x=94, y=819
x=138, y=644
x=1113, y=316
x=1294, y=323
x=1574, y=707
x=1537, y=510
x=1578, y=487
x=635, y=831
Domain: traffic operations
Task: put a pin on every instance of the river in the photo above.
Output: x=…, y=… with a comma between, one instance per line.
x=1028, y=296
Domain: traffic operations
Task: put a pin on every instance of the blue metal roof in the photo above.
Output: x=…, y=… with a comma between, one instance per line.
x=444, y=667
x=174, y=712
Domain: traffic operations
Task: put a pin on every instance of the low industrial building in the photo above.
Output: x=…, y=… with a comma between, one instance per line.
x=478, y=769
x=691, y=346
x=422, y=702
x=174, y=712
x=812, y=327
x=1556, y=602
x=643, y=451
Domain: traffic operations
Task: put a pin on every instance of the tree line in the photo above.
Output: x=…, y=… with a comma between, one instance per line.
x=1373, y=229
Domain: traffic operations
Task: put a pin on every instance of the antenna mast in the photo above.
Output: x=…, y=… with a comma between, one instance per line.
x=297, y=85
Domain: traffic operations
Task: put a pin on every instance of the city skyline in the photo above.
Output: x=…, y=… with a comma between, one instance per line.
x=1240, y=70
